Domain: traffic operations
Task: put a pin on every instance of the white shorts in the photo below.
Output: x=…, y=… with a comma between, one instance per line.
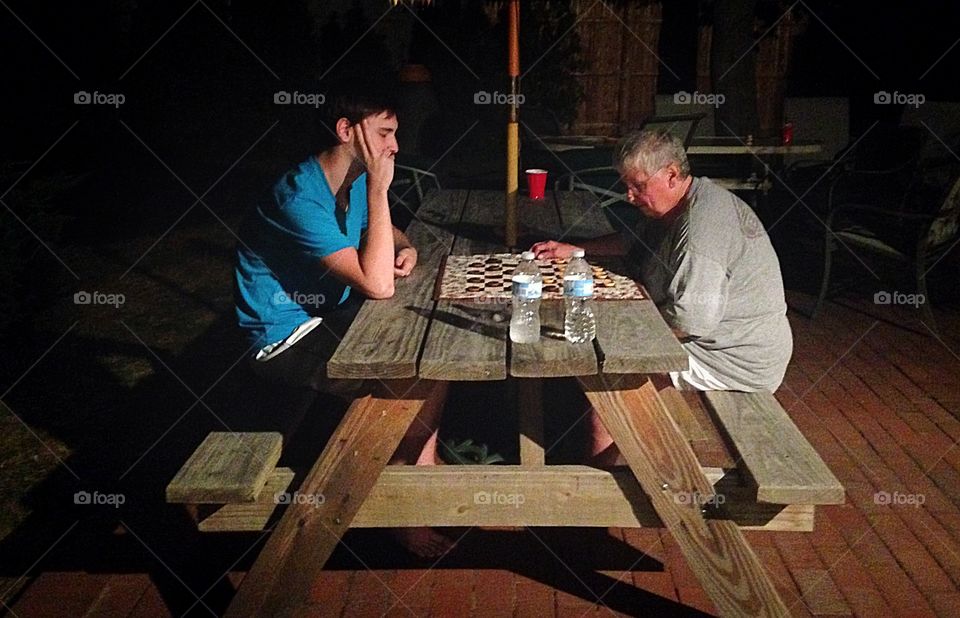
x=697, y=378
x=272, y=350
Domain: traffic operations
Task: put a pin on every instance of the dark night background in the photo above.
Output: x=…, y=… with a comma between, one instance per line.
x=198, y=95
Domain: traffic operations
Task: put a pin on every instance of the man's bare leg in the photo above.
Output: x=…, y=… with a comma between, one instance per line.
x=601, y=451
x=419, y=446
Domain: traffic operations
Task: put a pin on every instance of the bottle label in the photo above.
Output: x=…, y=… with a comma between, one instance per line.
x=578, y=288
x=527, y=289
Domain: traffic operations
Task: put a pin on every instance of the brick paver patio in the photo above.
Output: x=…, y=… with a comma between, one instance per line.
x=881, y=405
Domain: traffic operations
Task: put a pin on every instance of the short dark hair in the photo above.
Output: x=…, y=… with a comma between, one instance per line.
x=354, y=101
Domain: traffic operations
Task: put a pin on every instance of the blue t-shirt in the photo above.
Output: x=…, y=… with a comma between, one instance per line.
x=279, y=281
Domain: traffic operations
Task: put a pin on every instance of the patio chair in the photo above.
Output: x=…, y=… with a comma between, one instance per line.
x=603, y=180
x=682, y=125
x=405, y=176
x=538, y=122
x=882, y=162
x=918, y=234
x=409, y=185
x=412, y=173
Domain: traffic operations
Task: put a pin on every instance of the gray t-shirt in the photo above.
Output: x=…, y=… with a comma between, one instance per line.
x=714, y=274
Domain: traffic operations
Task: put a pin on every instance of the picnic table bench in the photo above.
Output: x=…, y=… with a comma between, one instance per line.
x=704, y=466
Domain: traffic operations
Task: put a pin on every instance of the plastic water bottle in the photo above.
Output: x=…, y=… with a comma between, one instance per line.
x=527, y=289
x=579, y=324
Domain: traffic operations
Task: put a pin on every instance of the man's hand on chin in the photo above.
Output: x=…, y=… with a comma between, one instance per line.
x=405, y=261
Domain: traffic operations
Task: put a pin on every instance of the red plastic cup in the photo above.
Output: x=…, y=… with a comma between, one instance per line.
x=536, y=183
x=787, y=134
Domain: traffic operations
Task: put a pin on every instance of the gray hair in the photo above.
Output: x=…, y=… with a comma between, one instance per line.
x=648, y=151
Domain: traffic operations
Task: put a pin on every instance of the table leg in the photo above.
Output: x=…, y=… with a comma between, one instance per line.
x=668, y=471
x=331, y=494
x=530, y=400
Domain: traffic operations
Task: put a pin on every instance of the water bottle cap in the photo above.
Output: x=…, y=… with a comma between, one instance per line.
x=527, y=255
x=578, y=253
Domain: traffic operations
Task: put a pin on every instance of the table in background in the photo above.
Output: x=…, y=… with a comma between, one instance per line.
x=699, y=146
x=756, y=177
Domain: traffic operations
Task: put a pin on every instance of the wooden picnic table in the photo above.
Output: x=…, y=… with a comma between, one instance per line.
x=409, y=347
x=706, y=145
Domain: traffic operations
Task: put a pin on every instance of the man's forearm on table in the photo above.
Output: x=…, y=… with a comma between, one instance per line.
x=376, y=255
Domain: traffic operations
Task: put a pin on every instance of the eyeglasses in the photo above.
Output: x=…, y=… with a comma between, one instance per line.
x=641, y=187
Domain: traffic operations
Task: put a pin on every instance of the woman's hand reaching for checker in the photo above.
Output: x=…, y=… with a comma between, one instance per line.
x=549, y=249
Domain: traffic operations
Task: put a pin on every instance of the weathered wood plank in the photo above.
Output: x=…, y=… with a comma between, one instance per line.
x=481, y=226
x=530, y=411
x=539, y=220
x=712, y=450
x=682, y=415
x=552, y=356
x=226, y=467
x=632, y=407
x=666, y=469
x=343, y=475
x=440, y=209
x=385, y=338
x=580, y=217
x=784, y=466
x=252, y=516
x=546, y=496
x=633, y=338
x=481, y=229
x=467, y=341
x=552, y=496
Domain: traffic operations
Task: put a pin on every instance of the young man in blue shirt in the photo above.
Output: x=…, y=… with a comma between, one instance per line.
x=324, y=237
x=325, y=231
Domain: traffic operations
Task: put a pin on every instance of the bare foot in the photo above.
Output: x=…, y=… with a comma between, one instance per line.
x=423, y=542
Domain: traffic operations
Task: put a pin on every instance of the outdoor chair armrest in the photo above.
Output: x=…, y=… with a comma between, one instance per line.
x=854, y=175
x=805, y=164
x=579, y=177
x=593, y=170
x=876, y=210
x=418, y=171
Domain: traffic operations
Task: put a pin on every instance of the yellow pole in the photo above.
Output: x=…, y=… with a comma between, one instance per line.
x=513, y=132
